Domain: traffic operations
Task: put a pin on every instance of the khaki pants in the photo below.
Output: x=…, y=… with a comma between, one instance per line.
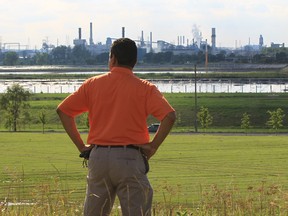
x=121, y=172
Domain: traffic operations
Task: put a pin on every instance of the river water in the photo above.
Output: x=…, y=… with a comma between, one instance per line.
x=165, y=86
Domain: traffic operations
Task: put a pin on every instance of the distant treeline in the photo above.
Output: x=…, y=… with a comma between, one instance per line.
x=80, y=55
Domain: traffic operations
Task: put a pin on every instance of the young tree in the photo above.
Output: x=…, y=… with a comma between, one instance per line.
x=43, y=119
x=204, y=117
x=276, y=119
x=245, y=122
x=14, y=101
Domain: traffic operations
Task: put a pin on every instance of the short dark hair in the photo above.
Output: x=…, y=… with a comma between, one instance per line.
x=125, y=51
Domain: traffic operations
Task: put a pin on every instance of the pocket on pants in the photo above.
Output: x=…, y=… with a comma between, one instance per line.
x=146, y=163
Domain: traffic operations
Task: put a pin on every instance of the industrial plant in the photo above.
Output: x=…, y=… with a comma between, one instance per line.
x=184, y=45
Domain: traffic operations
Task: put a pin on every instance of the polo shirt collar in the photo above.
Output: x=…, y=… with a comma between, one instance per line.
x=121, y=70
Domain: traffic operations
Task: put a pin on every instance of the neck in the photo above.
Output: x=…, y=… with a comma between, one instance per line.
x=124, y=66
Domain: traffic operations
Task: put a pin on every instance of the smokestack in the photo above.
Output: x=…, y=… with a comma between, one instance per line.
x=123, y=32
x=142, y=38
x=206, y=55
x=151, y=41
x=261, y=41
x=213, y=40
x=79, y=32
x=91, y=35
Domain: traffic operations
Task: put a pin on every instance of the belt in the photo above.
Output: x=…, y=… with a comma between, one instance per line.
x=118, y=146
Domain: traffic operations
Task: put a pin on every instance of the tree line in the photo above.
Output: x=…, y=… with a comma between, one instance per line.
x=80, y=55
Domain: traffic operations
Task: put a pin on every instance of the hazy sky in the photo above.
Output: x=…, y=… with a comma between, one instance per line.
x=32, y=21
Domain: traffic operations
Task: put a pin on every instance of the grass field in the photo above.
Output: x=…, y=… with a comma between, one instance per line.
x=195, y=173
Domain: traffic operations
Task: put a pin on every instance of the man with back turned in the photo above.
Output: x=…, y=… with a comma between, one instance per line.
x=118, y=104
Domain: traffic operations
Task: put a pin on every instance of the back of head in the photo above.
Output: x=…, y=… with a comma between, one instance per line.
x=125, y=51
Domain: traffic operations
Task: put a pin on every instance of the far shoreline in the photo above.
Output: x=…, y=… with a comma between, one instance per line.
x=219, y=71
x=221, y=67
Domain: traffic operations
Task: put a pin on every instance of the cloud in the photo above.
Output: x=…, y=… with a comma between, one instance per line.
x=57, y=19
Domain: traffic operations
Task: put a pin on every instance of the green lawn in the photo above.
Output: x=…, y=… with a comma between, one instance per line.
x=186, y=169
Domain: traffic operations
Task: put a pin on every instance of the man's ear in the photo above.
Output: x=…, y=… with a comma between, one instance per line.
x=113, y=60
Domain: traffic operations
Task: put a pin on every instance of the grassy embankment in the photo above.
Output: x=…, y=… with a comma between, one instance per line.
x=199, y=174
x=227, y=110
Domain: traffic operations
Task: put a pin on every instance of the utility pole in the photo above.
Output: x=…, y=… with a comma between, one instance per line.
x=195, y=99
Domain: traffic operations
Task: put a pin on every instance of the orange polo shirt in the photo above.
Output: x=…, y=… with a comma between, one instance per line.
x=118, y=103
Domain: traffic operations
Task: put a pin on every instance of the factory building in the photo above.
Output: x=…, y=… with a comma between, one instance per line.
x=94, y=49
x=79, y=41
x=275, y=45
x=183, y=46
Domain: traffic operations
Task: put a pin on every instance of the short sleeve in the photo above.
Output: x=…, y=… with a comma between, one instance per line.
x=75, y=103
x=157, y=105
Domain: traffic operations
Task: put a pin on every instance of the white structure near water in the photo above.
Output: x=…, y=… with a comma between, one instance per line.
x=172, y=86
